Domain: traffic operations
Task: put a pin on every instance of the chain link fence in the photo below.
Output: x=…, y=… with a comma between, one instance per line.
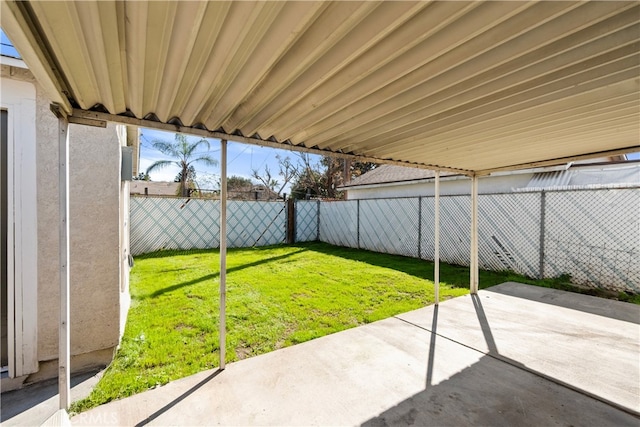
x=159, y=223
x=390, y=226
x=307, y=220
x=339, y=223
x=171, y=223
x=455, y=226
x=592, y=235
x=509, y=232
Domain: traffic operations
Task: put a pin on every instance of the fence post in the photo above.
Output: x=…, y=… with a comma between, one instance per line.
x=291, y=221
x=318, y=221
x=358, y=223
x=543, y=214
x=419, y=227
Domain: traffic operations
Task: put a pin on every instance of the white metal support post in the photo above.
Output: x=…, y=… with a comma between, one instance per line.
x=436, y=257
x=474, y=235
x=64, y=367
x=223, y=251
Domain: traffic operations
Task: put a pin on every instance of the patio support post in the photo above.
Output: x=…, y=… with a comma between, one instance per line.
x=64, y=366
x=223, y=251
x=474, y=235
x=436, y=256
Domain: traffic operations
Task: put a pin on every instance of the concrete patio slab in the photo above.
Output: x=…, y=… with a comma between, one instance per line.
x=591, y=344
x=493, y=360
x=38, y=403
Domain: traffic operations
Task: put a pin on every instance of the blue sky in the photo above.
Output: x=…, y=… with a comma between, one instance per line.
x=241, y=159
x=6, y=48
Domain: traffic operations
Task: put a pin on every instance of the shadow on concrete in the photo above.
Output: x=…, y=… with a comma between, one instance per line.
x=493, y=393
x=497, y=390
x=16, y=402
x=484, y=325
x=432, y=345
x=178, y=399
x=493, y=348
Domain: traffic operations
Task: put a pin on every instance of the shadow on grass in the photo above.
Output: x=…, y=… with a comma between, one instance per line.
x=453, y=275
x=213, y=275
x=177, y=252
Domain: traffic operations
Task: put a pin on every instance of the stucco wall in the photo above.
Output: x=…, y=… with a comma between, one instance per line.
x=94, y=187
x=98, y=239
x=448, y=186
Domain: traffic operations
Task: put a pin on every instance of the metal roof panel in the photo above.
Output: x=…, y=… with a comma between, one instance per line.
x=471, y=86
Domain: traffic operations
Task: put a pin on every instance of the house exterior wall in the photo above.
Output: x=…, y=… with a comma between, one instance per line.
x=448, y=186
x=98, y=218
x=18, y=98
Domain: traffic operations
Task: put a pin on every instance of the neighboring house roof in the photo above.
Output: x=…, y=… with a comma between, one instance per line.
x=583, y=176
x=392, y=173
x=254, y=192
x=609, y=173
x=154, y=188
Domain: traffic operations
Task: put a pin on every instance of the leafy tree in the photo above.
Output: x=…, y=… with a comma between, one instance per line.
x=142, y=177
x=239, y=183
x=308, y=183
x=323, y=177
x=287, y=171
x=185, y=154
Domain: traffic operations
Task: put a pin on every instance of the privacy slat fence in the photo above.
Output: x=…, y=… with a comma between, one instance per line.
x=307, y=220
x=175, y=223
x=592, y=235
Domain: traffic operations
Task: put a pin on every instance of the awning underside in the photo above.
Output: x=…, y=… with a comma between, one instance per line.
x=459, y=85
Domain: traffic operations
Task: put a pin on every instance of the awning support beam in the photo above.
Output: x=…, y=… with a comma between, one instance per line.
x=96, y=116
x=436, y=257
x=223, y=252
x=64, y=347
x=473, y=264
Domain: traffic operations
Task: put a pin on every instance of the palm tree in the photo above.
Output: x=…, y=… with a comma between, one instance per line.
x=184, y=152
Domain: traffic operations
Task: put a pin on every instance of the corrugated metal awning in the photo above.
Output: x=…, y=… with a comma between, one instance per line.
x=466, y=86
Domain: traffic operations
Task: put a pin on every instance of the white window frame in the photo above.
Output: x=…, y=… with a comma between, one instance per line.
x=18, y=98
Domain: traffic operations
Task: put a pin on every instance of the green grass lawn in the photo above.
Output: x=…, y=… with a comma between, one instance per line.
x=276, y=296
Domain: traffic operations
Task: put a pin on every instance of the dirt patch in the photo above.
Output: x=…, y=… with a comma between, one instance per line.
x=184, y=327
x=243, y=353
x=289, y=330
